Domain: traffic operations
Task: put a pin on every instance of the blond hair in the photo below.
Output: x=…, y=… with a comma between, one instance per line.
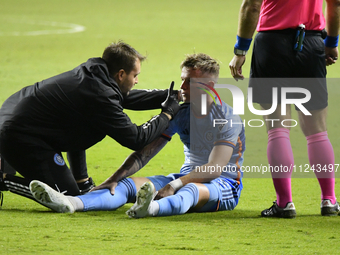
x=202, y=62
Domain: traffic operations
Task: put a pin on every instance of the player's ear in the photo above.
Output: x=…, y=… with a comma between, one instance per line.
x=120, y=75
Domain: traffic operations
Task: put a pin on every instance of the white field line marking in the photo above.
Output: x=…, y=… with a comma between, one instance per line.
x=68, y=28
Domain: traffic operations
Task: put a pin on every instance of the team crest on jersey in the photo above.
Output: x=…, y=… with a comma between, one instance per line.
x=59, y=160
x=209, y=136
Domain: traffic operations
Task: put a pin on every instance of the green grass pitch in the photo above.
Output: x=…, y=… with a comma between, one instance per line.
x=165, y=31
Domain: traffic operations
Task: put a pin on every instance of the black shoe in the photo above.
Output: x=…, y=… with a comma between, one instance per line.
x=1, y=199
x=2, y=188
x=276, y=211
x=2, y=183
x=86, y=186
x=329, y=209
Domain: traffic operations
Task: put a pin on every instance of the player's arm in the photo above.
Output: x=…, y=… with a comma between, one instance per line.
x=218, y=158
x=133, y=163
x=248, y=18
x=332, y=27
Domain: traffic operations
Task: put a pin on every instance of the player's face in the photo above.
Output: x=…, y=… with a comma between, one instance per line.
x=188, y=77
x=130, y=80
x=186, y=74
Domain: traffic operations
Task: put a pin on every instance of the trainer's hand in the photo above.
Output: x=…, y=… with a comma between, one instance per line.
x=166, y=191
x=171, y=105
x=331, y=55
x=235, y=66
x=178, y=95
x=108, y=184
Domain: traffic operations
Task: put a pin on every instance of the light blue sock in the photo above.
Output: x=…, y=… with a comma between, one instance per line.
x=179, y=203
x=102, y=200
x=213, y=202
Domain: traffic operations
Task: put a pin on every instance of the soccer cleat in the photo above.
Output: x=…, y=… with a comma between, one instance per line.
x=50, y=198
x=329, y=209
x=2, y=183
x=276, y=211
x=1, y=199
x=2, y=188
x=144, y=197
x=86, y=186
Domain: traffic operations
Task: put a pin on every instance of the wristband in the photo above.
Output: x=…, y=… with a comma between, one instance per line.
x=176, y=184
x=242, y=43
x=331, y=41
x=240, y=52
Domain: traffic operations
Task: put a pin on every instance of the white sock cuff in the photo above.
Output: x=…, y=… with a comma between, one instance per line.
x=153, y=208
x=77, y=203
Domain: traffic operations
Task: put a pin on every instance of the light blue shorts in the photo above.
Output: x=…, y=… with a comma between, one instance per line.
x=224, y=192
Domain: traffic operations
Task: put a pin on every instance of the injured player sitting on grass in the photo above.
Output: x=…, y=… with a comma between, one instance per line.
x=194, y=188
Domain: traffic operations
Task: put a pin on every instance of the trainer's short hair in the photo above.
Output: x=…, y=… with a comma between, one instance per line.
x=120, y=55
x=202, y=62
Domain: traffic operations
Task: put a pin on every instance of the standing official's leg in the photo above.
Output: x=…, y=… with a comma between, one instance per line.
x=321, y=156
x=279, y=154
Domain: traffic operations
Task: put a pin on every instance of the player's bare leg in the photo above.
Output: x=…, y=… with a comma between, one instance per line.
x=315, y=123
x=275, y=119
x=203, y=196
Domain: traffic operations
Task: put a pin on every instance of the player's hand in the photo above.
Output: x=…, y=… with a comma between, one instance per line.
x=331, y=55
x=108, y=184
x=235, y=66
x=171, y=105
x=166, y=191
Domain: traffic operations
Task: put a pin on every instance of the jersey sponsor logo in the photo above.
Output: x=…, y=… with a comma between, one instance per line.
x=220, y=127
x=58, y=159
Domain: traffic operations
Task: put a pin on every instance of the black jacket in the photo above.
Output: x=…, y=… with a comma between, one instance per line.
x=76, y=109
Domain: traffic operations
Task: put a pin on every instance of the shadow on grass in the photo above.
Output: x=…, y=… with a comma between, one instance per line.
x=194, y=216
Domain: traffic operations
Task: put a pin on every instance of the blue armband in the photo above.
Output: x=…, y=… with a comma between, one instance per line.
x=242, y=43
x=331, y=41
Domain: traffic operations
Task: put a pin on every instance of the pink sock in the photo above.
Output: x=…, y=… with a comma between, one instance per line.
x=321, y=156
x=280, y=155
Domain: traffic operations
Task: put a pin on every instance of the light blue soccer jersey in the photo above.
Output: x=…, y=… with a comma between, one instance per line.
x=199, y=136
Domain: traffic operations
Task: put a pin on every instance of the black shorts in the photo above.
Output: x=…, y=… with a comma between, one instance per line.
x=34, y=159
x=274, y=57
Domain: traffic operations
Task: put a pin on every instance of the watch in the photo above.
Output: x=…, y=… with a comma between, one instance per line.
x=240, y=52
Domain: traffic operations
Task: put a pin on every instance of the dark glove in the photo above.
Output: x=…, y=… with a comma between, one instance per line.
x=178, y=95
x=171, y=105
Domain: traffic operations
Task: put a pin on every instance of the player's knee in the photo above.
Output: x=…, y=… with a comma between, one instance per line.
x=179, y=206
x=193, y=189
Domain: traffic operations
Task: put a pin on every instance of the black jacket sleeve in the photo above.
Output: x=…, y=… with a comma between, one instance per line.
x=139, y=99
x=116, y=124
